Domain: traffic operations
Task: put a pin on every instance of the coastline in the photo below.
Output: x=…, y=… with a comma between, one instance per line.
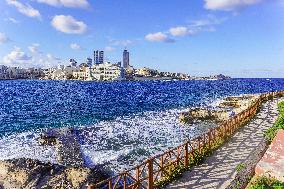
x=149, y=128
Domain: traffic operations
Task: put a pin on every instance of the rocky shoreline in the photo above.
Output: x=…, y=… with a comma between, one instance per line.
x=28, y=173
x=69, y=172
x=222, y=111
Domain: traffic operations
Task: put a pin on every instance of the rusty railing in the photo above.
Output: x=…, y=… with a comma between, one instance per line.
x=150, y=172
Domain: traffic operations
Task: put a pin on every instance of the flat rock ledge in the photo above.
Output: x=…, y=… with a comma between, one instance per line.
x=28, y=173
x=223, y=110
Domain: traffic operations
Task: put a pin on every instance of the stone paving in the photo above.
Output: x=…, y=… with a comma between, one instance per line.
x=219, y=169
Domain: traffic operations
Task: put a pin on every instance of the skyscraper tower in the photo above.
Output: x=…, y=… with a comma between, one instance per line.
x=125, y=59
x=89, y=61
x=98, y=57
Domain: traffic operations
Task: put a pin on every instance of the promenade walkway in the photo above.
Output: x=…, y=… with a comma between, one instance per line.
x=219, y=169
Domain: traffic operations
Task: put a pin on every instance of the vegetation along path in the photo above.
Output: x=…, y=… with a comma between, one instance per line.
x=220, y=169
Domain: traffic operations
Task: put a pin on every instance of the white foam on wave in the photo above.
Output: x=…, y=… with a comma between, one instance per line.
x=120, y=143
x=25, y=145
x=128, y=140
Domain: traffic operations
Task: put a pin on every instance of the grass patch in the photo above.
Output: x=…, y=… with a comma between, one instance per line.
x=279, y=124
x=263, y=182
x=174, y=172
x=240, y=167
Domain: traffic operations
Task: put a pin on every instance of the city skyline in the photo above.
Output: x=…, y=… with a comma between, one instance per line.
x=237, y=38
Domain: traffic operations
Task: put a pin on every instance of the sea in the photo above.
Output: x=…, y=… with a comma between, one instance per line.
x=118, y=124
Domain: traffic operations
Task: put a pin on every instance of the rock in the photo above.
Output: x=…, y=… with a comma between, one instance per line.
x=77, y=176
x=228, y=107
x=204, y=114
x=27, y=173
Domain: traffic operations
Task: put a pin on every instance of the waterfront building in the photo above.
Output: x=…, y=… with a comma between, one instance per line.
x=118, y=64
x=58, y=74
x=61, y=67
x=98, y=57
x=84, y=73
x=146, y=72
x=89, y=61
x=47, y=72
x=73, y=62
x=125, y=59
x=16, y=73
x=68, y=71
x=34, y=73
x=3, y=72
x=83, y=65
x=107, y=72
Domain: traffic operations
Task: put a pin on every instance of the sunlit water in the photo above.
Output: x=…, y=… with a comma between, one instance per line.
x=119, y=123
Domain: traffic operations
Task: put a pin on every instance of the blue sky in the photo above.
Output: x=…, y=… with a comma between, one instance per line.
x=240, y=38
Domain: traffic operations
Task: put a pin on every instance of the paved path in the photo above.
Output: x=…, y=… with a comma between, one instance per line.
x=219, y=169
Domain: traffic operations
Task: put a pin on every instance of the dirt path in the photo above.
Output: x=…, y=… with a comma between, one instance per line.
x=219, y=169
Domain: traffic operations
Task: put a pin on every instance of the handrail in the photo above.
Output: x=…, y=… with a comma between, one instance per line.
x=148, y=173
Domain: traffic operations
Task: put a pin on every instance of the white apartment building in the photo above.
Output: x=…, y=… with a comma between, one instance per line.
x=84, y=73
x=106, y=72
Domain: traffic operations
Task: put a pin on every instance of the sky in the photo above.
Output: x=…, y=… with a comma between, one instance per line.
x=239, y=38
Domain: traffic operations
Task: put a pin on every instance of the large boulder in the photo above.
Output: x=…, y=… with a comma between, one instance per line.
x=28, y=173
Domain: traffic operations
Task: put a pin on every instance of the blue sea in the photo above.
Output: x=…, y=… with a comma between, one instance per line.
x=118, y=123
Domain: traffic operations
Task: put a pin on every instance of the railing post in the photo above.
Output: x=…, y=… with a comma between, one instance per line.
x=137, y=176
x=124, y=181
x=199, y=145
x=150, y=174
x=186, y=159
x=209, y=138
x=110, y=184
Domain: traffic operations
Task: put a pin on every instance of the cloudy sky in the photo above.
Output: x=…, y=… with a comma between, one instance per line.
x=240, y=38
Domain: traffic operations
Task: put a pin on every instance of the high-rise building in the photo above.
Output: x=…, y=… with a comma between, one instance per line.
x=125, y=59
x=89, y=61
x=98, y=57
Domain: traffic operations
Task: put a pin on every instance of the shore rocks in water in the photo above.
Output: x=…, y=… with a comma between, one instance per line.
x=28, y=173
x=204, y=114
x=226, y=108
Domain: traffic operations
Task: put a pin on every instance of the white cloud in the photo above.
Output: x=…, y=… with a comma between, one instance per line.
x=24, y=9
x=66, y=3
x=209, y=20
x=68, y=24
x=109, y=49
x=206, y=24
x=3, y=38
x=124, y=43
x=16, y=57
x=180, y=31
x=158, y=37
x=75, y=46
x=34, y=48
x=13, y=20
x=228, y=5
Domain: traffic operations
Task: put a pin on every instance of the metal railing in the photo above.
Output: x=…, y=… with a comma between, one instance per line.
x=150, y=172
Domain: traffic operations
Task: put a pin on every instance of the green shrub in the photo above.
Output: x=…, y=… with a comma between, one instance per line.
x=279, y=124
x=174, y=172
x=263, y=182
